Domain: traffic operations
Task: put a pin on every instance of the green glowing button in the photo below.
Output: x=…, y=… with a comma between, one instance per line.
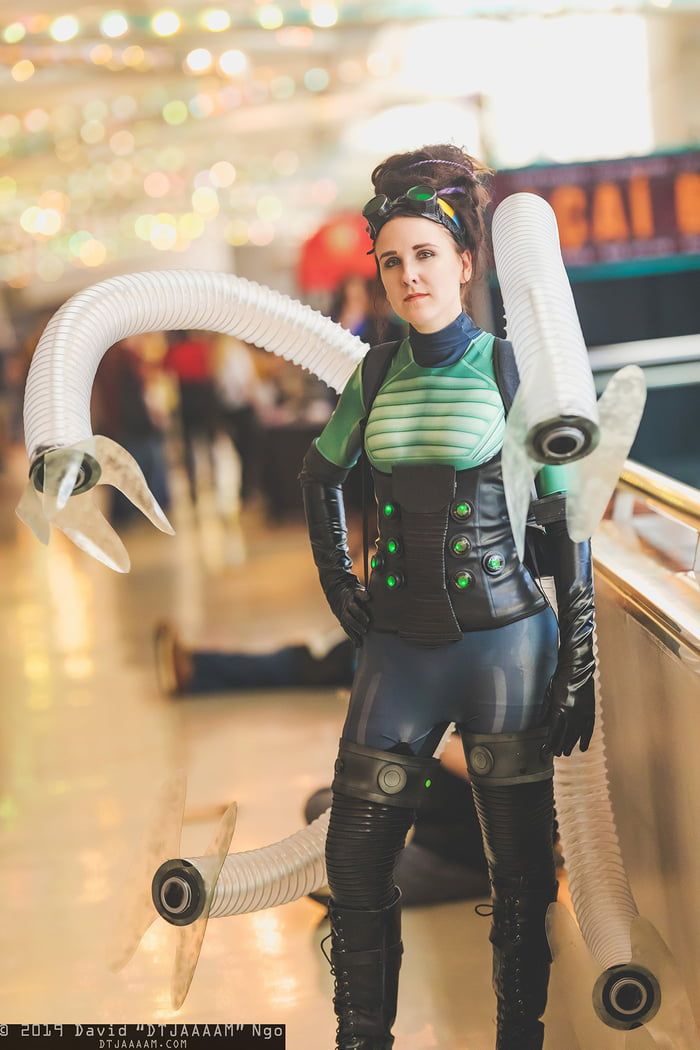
x=392, y=546
x=460, y=545
x=428, y=783
x=462, y=510
x=394, y=580
x=463, y=580
x=388, y=510
x=495, y=562
x=376, y=561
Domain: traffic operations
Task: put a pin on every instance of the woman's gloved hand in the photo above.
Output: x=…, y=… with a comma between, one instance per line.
x=571, y=691
x=348, y=600
x=571, y=712
x=325, y=518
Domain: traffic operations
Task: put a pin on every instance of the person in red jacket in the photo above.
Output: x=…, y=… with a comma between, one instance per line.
x=189, y=358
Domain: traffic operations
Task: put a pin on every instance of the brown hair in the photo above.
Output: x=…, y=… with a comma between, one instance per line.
x=460, y=179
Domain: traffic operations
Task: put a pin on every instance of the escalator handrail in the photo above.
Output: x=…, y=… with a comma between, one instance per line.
x=674, y=498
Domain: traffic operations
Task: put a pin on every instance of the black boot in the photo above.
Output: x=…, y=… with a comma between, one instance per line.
x=516, y=822
x=521, y=962
x=365, y=961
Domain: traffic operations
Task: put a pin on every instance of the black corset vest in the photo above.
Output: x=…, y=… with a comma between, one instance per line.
x=445, y=560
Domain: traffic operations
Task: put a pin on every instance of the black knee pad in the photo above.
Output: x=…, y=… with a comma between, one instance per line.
x=388, y=777
x=508, y=758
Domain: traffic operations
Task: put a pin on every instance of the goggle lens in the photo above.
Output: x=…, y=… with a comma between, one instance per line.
x=376, y=206
x=421, y=194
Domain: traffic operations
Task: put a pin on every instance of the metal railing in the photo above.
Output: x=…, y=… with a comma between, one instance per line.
x=667, y=602
x=665, y=494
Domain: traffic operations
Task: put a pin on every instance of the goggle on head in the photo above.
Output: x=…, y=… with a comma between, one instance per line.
x=418, y=200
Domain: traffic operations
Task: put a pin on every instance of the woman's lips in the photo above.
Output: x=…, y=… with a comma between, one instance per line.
x=418, y=295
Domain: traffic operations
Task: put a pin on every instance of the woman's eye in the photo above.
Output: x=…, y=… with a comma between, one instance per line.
x=389, y=262
x=425, y=254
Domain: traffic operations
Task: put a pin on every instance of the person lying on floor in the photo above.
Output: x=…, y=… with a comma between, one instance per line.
x=444, y=860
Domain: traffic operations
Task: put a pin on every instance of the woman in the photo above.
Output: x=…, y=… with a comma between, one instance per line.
x=452, y=626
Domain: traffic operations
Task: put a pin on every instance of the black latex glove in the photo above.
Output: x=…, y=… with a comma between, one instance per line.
x=348, y=601
x=571, y=691
x=325, y=518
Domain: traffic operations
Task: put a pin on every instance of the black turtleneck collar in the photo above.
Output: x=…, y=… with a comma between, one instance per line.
x=439, y=349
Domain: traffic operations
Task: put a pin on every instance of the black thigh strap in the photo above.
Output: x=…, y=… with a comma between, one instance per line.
x=508, y=758
x=382, y=776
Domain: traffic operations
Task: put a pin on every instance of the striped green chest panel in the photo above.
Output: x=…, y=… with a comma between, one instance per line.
x=450, y=415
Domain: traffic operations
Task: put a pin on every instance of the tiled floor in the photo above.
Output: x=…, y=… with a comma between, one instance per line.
x=86, y=743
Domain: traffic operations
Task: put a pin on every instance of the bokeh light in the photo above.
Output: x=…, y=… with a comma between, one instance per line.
x=175, y=112
x=101, y=54
x=77, y=240
x=133, y=55
x=36, y=120
x=143, y=226
x=270, y=16
x=22, y=70
x=316, y=79
x=222, y=174
x=324, y=15
x=190, y=225
x=165, y=23
x=114, y=24
x=199, y=60
x=92, y=252
x=163, y=231
x=201, y=105
x=95, y=109
x=232, y=63
x=41, y=221
x=156, y=184
x=215, y=19
x=92, y=131
x=64, y=28
x=122, y=143
x=205, y=202
x=13, y=33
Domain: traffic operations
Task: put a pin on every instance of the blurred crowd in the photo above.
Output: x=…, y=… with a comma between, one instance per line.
x=225, y=413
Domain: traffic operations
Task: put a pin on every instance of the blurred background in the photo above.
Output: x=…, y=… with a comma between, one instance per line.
x=241, y=138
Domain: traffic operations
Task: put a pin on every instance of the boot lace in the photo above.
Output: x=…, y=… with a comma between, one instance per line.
x=341, y=997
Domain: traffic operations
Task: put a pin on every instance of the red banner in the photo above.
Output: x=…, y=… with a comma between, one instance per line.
x=615, y=210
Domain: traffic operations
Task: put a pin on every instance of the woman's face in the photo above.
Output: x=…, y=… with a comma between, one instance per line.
x=422, y=271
